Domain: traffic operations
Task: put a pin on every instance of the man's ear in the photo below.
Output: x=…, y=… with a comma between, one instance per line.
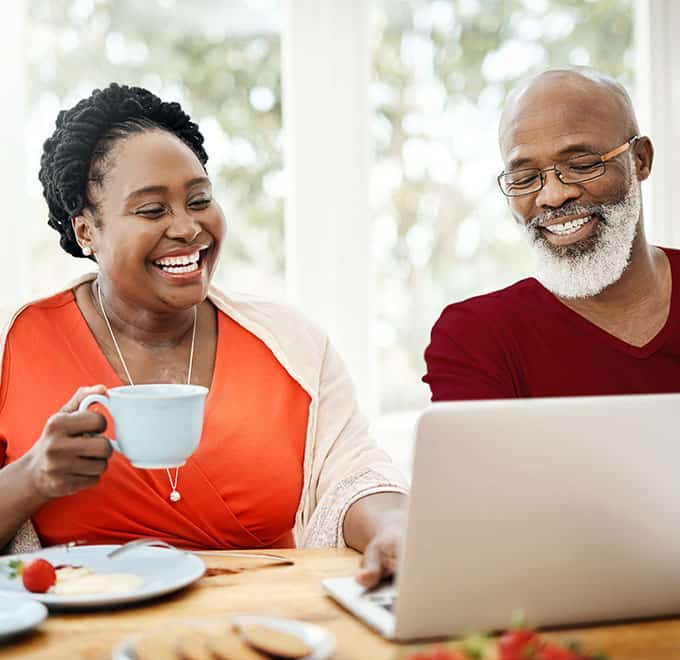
x=643, y=156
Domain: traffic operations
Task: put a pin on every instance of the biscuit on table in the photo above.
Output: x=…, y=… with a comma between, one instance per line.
x=228, y=646
x=193, y=645
x=156, y=646
x=274, y=642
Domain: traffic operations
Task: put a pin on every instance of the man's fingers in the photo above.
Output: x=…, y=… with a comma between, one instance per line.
x=80, y=394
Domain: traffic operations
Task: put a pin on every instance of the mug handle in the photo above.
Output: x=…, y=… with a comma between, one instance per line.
x=104, y=401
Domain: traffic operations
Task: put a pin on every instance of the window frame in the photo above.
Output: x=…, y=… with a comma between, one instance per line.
x=326, y=115
x=657, y=24
x=15, y=247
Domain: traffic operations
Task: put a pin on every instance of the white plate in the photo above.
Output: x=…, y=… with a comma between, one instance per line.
x=162, y=570
x=19, y=614
x=319, y=640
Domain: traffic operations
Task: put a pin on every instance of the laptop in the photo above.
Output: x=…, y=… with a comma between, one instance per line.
x=566, y=510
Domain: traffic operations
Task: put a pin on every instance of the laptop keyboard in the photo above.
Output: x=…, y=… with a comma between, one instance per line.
x=385, y=599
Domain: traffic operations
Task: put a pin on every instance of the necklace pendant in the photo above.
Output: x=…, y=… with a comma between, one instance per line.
x=175, y=496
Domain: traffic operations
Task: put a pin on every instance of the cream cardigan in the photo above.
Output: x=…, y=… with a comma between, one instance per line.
x=341, y=462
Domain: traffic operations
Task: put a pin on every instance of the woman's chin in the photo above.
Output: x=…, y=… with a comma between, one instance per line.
x=181, y=289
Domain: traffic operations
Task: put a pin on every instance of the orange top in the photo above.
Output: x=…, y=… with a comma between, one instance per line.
x=240, y=489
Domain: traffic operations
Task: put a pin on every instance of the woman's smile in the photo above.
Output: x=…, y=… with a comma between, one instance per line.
x=161, y=231
x=182, y=265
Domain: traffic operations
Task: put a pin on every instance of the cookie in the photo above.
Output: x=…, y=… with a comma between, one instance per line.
x=228, y=646
x=274, y=642
x=157, y=646
x=194, y=646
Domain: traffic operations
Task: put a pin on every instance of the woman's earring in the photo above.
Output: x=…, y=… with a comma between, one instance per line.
x=87, y=251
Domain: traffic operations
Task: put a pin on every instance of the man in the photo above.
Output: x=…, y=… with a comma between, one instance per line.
x=603, y=314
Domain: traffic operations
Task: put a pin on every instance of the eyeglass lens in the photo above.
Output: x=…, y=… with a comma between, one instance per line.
x=584, y=167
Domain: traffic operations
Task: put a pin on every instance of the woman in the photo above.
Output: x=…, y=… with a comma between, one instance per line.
x=284, y=457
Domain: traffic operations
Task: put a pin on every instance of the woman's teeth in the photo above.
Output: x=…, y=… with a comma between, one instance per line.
x=566, y=228
x=181, y=264
x=179, y=269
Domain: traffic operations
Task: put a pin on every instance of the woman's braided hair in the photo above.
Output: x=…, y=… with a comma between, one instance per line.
x=74, y=156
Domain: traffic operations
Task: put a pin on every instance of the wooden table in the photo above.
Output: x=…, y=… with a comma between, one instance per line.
x=291, y=591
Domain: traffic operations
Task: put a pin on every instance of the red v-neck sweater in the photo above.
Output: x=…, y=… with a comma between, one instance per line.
x=523, y=342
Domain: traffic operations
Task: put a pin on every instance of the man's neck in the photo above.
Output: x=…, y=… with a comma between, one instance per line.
x=635, y=307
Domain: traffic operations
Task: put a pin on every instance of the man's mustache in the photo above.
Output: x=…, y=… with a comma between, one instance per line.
x=542, y=219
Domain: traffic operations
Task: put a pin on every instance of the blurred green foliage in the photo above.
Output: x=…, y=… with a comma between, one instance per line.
x=442, y=69
x=228, y=81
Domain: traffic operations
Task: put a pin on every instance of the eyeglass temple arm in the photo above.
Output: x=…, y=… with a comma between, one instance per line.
x=619, y=150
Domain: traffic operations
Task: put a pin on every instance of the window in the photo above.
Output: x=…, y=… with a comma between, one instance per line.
x=221, y=61
x=442, y=231
x=439, y=70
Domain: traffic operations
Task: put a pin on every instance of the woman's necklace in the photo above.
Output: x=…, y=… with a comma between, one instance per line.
x=174, y=493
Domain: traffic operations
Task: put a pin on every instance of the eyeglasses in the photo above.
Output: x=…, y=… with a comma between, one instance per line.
x=579, y=169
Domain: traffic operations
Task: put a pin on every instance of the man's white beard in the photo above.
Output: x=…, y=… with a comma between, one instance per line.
x=590, y=266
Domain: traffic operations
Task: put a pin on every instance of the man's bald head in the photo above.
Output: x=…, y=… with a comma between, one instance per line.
x=582, y=213
x=571, y=92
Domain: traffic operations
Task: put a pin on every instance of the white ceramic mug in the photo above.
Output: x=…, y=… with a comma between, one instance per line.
x=157, y=426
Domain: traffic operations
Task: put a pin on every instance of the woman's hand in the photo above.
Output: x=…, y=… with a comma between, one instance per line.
x=70, y=454
x=374, y=525
x=381, y=553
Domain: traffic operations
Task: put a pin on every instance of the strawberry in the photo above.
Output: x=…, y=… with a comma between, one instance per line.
x=38, y=575
x=521, y=644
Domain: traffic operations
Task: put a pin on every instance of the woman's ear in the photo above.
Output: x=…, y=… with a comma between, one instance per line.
x=83, y=230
